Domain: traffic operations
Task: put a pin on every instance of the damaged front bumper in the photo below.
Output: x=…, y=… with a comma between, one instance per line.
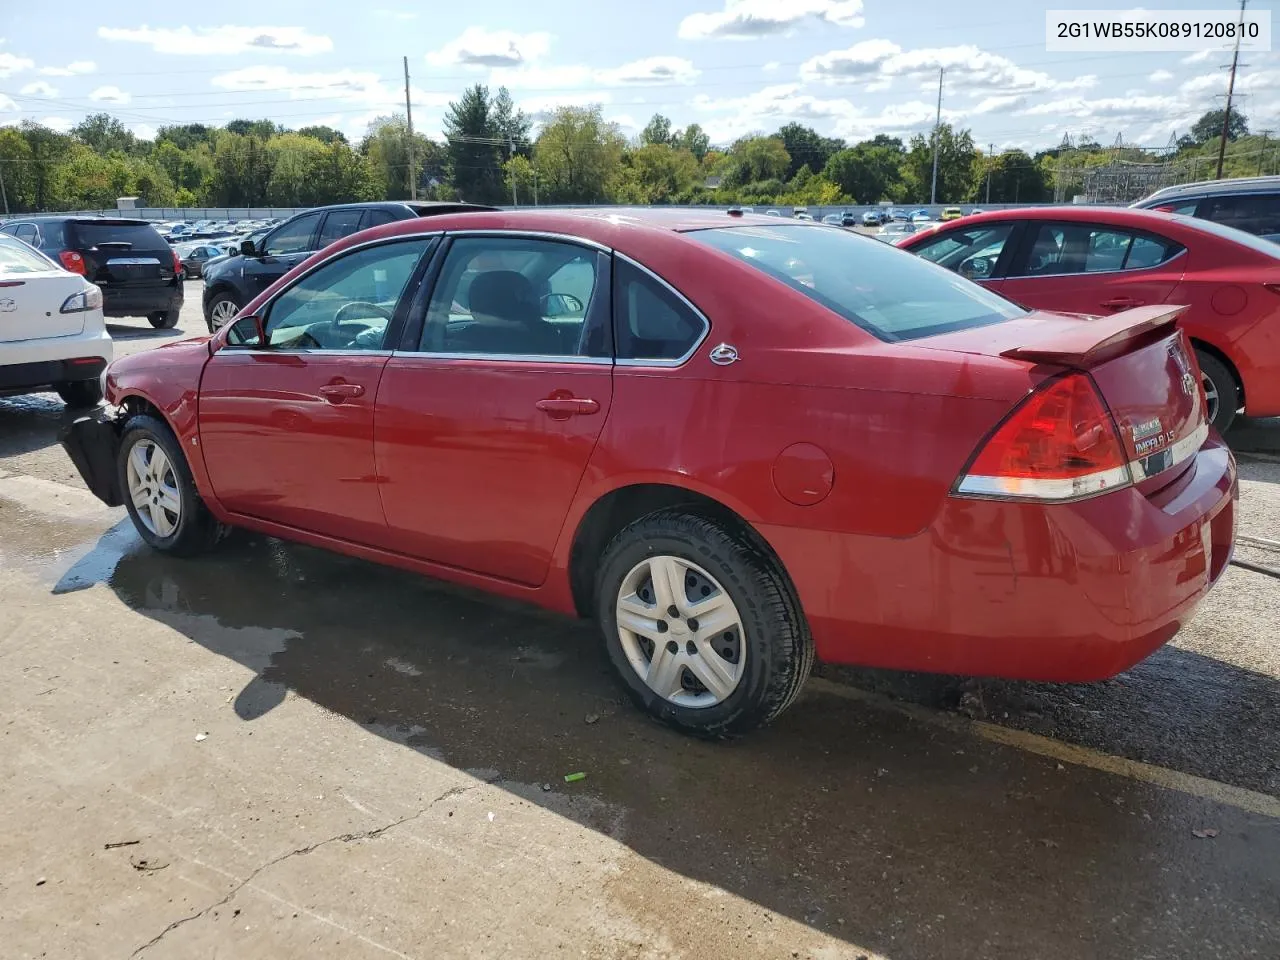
x=92, y=440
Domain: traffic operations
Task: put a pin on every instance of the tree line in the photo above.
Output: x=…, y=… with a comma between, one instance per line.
x=491, y=155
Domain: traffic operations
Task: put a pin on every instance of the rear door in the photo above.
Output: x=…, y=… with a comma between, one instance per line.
x=282, y=250
x=1256, y=213
x=1091, y=268
x=338, y=224
x=32, y=292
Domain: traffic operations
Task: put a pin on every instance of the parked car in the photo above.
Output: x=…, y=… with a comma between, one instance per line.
x=875, y=218
x=1098, y=260
x=848, y=219
x=895, y=230
x=234, y=282
x=833, y=219
x=773, y=213
x=950, y=213
x=194, y=256
x=52, y=332
x=992, y=499
x=975, y=210
x=921, y=216
x=136, y=269
x=1251, y=204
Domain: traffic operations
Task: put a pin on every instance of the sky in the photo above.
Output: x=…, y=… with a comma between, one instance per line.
x=848, y=68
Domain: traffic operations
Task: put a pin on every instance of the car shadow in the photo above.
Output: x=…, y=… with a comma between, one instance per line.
x=31, y=422
x=899, y=837
x=124, y=331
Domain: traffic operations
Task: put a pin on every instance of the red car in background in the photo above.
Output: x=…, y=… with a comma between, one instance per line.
x=1098, y=260
x=737, y=443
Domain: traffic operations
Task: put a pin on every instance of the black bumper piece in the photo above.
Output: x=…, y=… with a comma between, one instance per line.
x=93, y=443
x=49, y=373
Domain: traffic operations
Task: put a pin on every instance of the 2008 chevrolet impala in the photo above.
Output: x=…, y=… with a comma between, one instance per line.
x=737, y=443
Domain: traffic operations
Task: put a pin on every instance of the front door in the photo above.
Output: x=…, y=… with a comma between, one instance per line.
x=287, y=428
x=1091, y=268
x=281, y=250
x=486, y=422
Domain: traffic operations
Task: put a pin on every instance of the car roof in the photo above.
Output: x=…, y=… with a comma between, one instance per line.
x=1070, y=213
x=1216, y=188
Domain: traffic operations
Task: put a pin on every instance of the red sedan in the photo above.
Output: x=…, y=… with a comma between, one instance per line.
x=1097, y=260
x=736, y=443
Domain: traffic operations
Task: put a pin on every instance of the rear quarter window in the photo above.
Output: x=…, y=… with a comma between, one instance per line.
x=888, y=292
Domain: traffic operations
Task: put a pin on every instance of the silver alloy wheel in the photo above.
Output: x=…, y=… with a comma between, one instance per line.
x=153, y=488
x=223, y=311
x=1211, y=397
x=681, y=632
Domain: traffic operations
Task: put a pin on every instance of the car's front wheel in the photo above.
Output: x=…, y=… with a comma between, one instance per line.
x=160, y=493
x=1221, y=392
x=700, y=624
x=79, y=394
x=222, y=310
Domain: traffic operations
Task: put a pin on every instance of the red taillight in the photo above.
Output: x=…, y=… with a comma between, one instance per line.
x=1059, y=444
x=177, y=261
x=1164, y=208
x=72, y=261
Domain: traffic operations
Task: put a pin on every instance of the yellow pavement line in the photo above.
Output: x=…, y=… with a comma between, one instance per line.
x=1250, y=801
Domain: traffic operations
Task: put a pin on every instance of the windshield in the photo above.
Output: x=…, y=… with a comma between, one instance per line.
x=1260, y=244
x=888, y=292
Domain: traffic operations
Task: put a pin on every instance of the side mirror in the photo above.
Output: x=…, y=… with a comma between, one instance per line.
x=247, y=331
x=248, y=249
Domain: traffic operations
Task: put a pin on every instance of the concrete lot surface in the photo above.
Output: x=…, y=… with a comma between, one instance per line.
x=276, y=752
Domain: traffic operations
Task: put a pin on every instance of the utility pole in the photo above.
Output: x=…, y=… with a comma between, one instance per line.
x=1231, y=86
x=408, y=118
x=991, y=155
x=1262, y=154
x=3, y=195
x=937, y=141
x=511, y=152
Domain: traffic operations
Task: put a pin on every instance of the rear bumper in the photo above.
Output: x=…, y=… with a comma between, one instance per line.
x=142, y=301
x=1069, y=592
x=93, y=443
x=35, y=364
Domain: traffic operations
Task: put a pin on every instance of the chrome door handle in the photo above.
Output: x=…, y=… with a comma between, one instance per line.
x=561, y=408
x=338, y=392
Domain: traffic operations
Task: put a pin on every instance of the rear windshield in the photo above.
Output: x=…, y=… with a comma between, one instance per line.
x=1260, y=244
x=17, y=257
x=139, y=236
x=888, y=292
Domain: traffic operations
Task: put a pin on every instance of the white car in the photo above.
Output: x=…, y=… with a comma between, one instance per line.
x=52, y=332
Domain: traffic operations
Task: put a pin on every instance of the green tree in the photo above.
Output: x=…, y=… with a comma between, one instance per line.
x=47, y=150
x=476, y=146
x=806, y=147
x=264, y=130
x=519, y=177
x=188, y=135
x=657, y=131
x=16, y=165
x=578, y=154
x=753, y=159
x=510, y=124
x=103, y=133
x=293, y=160
x=694, y=139
x=956, y=154
x=1015, y=178
x=868, y=172
x=242, y=168
x=385, y=148
x=1209, y=126
x=662, y=173
x=323, y=134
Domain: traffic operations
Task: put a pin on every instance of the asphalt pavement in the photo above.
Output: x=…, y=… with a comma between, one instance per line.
x=278, y=752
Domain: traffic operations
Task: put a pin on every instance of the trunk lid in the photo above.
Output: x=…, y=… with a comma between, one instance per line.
x=1140, y=362
x=120, y=254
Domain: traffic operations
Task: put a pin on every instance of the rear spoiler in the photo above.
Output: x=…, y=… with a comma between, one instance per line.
x=1086, y=342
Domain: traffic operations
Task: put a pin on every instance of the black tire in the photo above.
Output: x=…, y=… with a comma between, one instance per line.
x=218, y=298
x=164, y=319
x=197, y=530
x=779, y=649
x=79, y=394
x=1224, y=383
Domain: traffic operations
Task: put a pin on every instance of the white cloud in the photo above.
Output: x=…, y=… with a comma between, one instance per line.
x=39, y=88
x=109, y=94
x=968, y=69
x=992, y=104
x=11, y=64
x=1200, y=56
x=60, y=124
x=397, y=14
x=70, y=70
x=753, y=19
x=479, y=47
x=352, y=86
x=541, y=78
x=1161, y=76
x=651, y=70
x=7, y=105
x=771, y=66
x=219, y=41
x=539, y=108
x=143, y=131
x=625, y=121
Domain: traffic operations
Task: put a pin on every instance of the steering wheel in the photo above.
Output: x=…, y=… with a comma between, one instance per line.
x=363, y=306
x=568, y=304
x=978, y=268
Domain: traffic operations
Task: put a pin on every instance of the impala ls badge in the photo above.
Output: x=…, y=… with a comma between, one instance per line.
x=7, y=305
x=724, y=354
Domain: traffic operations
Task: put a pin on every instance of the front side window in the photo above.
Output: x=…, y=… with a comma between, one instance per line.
x=292, y=237
x=975, y=252
x=885, y=291
x=513, y=296
x=346, y=304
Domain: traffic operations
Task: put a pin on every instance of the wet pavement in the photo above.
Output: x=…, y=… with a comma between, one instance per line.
x=320, y=757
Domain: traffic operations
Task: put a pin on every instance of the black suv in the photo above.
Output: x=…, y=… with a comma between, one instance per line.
x=230, y=284
x=135, y=267
x=1251, y=204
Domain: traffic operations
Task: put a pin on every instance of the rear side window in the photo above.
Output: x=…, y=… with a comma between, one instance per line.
x=650, y=321
x=374, y=218
x=888, y=292
x=338, y=224
x=131, y=236
x=1069, y=248
x=1257, y=213
x=19, y=258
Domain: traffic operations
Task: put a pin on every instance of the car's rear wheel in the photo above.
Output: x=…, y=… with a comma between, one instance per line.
x=78, y=394
x=222, y=309
x=160, y=493
x=1221, y=391
x=164, y=319
x=700, y=624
